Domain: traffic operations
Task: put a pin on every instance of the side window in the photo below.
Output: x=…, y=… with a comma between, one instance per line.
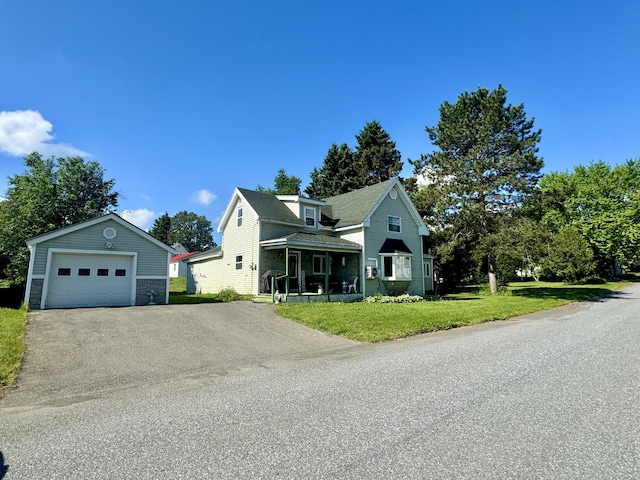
x=238, y=262
x=394, y=223
x=240, y=213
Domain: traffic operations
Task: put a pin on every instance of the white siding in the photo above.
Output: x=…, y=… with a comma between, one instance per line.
x=214, y=275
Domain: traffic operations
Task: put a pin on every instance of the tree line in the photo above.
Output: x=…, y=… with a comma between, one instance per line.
x=493, y=216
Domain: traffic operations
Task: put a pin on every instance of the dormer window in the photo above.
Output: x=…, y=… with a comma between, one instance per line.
x=310, y=217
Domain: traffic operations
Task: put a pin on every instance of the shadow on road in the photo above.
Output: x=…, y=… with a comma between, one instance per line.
x=575, y=294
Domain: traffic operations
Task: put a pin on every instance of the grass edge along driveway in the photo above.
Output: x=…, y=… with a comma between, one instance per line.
x=13, y=323
x=375, y=322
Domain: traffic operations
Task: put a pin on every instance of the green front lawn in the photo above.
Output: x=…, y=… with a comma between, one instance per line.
x=374, y=322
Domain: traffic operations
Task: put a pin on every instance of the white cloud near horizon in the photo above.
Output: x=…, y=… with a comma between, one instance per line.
x=203, y=197
x=140, y=217
x=25, y=131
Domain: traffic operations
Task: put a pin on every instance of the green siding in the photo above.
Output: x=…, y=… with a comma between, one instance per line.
x=377, y=233
x=152, y=259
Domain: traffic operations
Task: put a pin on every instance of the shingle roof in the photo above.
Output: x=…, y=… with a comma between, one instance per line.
x=268, y=207
x=352, y=208
x=309, y=239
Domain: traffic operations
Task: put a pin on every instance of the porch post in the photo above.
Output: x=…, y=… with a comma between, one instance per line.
x=286, y=271
x=326, y=272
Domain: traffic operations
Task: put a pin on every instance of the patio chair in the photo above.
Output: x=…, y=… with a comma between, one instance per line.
x=353, y=286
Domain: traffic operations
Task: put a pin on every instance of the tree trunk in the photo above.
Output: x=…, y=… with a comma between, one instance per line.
x=493, y=279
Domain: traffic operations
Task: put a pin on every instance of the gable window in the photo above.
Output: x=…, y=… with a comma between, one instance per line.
x=318, y=265
x=238, y=262
x=396, y=267
x=310, y=217
x=240, y=217
x=394, y=223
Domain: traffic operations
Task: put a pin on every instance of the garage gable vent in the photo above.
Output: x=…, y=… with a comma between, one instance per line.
x=109, y=233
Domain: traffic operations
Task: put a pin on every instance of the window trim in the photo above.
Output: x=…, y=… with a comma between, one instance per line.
x=322, y=264
x=310, y=217
x=395, y=261
x=239, y=216
x=390, y=224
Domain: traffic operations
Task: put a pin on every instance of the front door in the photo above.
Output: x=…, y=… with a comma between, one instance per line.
x=294, y=270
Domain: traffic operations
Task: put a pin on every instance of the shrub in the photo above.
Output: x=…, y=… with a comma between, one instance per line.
x=405, y=298
x=228, y=295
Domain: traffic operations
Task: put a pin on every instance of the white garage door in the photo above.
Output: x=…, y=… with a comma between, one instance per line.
x=89, y=281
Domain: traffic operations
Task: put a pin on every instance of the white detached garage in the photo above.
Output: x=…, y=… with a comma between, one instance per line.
x=104, y=262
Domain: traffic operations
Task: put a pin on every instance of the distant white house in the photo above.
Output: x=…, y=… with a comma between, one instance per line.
x=178, y=265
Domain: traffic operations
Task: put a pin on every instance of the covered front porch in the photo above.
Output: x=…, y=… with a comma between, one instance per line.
x=311, y=267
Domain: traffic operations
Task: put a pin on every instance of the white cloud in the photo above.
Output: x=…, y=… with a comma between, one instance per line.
x=204, y=197
x=26, y=131
x=140, y=217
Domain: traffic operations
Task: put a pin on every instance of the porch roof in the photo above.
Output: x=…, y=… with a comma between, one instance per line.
x=310, y=241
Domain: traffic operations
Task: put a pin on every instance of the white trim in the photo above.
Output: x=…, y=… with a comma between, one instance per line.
x=30, y=277
x=69, y=251
x=166, y=293
x=389, y=217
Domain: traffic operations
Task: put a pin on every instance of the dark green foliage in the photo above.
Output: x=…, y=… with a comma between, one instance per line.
x=374, y=160
x=283, y=184
x=485, y=166
x=194, y=232
x=569, y=257
x=602, y=203
x=161, y=228
x=50, y=194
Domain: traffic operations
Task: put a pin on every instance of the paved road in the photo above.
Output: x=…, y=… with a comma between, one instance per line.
x=554, y=395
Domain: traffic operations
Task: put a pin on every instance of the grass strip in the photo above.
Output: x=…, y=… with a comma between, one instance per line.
x=374, y=322
x=12, y=342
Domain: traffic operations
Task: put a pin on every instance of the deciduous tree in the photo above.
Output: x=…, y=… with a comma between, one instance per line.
x=51, y=194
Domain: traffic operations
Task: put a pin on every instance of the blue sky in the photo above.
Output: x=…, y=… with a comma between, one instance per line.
x=181, y=101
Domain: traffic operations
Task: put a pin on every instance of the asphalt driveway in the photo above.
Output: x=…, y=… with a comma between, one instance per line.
x=73, y=355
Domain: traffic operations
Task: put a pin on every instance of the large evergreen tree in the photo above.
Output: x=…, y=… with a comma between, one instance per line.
x=376, y=156
x=161, y=228
x=374, y=160
x=51, y=194
x=485, y=165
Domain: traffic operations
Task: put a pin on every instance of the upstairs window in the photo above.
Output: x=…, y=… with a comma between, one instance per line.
x=394, y=223
x=310, y=217
x=239, y=217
